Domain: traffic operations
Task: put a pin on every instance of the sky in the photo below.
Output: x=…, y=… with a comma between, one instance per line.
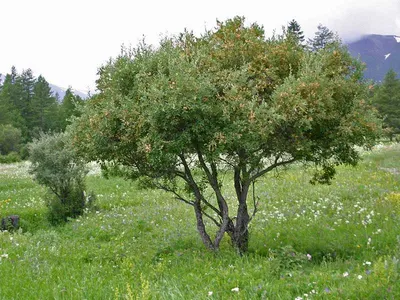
x=67, y=41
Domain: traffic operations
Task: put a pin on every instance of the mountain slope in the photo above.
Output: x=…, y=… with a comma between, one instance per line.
x=380, y=53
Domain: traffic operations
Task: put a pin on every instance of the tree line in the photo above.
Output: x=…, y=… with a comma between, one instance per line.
x=230, y=104
x=28, y=107
x=384, y=96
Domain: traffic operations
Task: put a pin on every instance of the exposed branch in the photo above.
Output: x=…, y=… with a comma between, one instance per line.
x=208, y=204
x=237, y=182
x=255, y=204
x=271, y=167
x=211, y=218
x=212, y=179
x=177, y=196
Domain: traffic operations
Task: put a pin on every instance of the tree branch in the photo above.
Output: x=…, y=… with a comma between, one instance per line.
x=255, y=204
x=211, y=218
x=177, y=196
x=271, y=167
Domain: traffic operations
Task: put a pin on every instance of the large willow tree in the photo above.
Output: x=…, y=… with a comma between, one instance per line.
x=228, y=102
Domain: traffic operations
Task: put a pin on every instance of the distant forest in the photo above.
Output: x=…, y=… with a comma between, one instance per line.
x=28, y=107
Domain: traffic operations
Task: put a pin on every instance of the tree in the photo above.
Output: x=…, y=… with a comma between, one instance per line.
x=295, y=29
x=322, y=38
x=69, y=107
x=387, y=101
x=26, y=82
x=10, y=95
x=44, y=106
x=229, y=103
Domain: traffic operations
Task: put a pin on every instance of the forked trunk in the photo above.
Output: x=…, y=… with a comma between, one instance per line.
x=240, y=237
x=201, y=228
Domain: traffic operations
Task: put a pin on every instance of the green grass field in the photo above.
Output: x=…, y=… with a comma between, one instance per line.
x=307, y=242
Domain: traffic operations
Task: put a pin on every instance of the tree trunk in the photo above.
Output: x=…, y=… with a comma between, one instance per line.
x=201, y=228
x=240, y=237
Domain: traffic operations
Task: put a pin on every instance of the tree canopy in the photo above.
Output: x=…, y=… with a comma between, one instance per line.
x=294, y=28
x=322, y=38
x=28, y=104
x=387, y=100
x=228, y=102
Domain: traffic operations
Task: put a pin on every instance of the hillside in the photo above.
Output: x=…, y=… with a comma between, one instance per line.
x=380, y=53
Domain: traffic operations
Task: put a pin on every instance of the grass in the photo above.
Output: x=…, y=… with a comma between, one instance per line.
x=340, y=241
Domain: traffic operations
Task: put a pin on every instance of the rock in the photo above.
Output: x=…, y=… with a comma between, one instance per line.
x=10, y=223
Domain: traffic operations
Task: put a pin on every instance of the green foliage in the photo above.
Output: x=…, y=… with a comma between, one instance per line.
x=27, y=103
x=11, y=157
x=387, y=100
x=70, y=107
x=45, y=110
x=295, y=29
x=10, y=139
x=323, y=37
x=142, y=243
x=228, y=100
x=56, y=166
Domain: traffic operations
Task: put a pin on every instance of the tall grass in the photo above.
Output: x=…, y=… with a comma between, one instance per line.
x=312, y=242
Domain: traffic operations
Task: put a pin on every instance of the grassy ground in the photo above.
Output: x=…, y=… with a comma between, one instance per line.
x=307, y=242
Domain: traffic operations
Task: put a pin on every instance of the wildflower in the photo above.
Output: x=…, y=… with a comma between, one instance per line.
x=235, y=289
x=359, y=277
x=309, y=256
x=327, y=290
x=345, y=274
x=368, y=263
x=298, y=298
x=5, y=255
x=210, y=293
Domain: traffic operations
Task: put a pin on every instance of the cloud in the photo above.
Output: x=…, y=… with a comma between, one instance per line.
x=367, y=17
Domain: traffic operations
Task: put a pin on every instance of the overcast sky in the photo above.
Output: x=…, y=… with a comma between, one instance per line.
x=67, y=41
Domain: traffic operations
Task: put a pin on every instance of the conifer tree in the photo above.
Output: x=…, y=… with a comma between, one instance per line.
x=295, y=29
x=44, y=106
x=69, y=107
x=10, y=95
x=387, y=101
x=322, y=38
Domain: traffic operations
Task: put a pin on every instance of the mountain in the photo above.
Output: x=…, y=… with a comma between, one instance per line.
x=57, y=90
x=61, y=92
x=380, y=53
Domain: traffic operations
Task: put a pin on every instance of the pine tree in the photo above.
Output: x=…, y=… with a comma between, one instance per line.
x=322, y=38
x=295, y=29
x=70, y=107
x=44, y=106
x=387, y=101
x=10, y=96
x=27, y=81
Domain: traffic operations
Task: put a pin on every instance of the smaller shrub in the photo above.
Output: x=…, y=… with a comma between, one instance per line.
x=11, y=157
x=10, y=139
x=56, y=165
x=286, y=259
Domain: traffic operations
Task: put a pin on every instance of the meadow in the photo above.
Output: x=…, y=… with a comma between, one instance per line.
x=338, y=241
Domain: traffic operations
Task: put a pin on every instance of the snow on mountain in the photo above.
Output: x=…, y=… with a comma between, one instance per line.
x=374, y=50
x=60, y=91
